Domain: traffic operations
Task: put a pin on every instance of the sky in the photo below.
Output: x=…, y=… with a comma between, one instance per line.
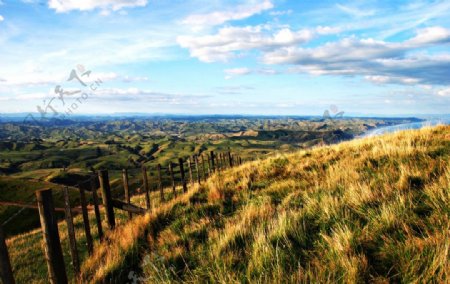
x=267, y=57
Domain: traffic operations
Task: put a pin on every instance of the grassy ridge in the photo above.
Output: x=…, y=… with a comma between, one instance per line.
x=376, y=209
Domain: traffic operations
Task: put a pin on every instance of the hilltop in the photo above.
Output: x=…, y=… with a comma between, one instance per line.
x=374, y=209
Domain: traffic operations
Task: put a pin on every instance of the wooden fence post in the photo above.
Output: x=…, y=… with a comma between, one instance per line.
x=87, y=226
x=224, y=160
x=126, y=188
x=53, y=252
x=96, y=208
x=224, y=156
x=191, y=177
x=146, y=187
x=160, y=185
x=172, y=176
x=5, y=264
x=218, y=165
x=203, y=167
x=183, y=179
x=106, y=197
x=213, y=167
x=209, y=164
x=71, y=232
x=230, y=160
x=197, y=169
x=219, y=161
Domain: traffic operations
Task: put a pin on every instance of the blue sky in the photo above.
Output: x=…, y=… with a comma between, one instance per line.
x=225, y=57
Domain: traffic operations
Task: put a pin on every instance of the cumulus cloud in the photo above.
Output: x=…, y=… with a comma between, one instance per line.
x=378, y=61
x=62, y=6
x=1, y=18
x=197, y=21
x=431, y=35
x=230, y=41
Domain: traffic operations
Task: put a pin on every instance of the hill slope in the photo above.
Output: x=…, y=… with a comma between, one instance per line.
x=374, y=209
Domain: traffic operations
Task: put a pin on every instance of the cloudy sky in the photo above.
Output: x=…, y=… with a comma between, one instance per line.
x=225, y=56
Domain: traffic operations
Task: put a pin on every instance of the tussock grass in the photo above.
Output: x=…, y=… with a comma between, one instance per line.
x=369, y=210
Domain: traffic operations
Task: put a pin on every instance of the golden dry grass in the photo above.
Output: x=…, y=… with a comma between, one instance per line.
x=369, y=210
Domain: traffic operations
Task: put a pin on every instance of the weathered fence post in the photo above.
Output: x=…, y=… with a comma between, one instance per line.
x=222, y=165
x=126, y=188
x=106, y=197
x=53, y=251
x=191, y=178
x=96, y=208
x=160, y=185
x=5, y=264
x=172, y=176
x=230, y=160
x=71, y=232
x=87, y=227
x=213, y=167
x=224, y=161
x=146, y=187
x=218, y=165
x=183, y=179
x=209, y=164
x=197, y=169
x=203, y=167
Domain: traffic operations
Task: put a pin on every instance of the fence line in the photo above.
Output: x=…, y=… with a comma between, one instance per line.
x=203, y=167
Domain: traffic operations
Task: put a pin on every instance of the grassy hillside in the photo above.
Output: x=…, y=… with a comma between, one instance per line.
x=27, y=250
x=376, y=210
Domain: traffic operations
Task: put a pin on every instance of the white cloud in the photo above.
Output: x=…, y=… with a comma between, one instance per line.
x=230, y=41
x=62, y=6
x=379, y=79
x=348, y=49
x=444, y=92
x=1, y=18
x=379, y=61
x=431, y=35
x=197, y=21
